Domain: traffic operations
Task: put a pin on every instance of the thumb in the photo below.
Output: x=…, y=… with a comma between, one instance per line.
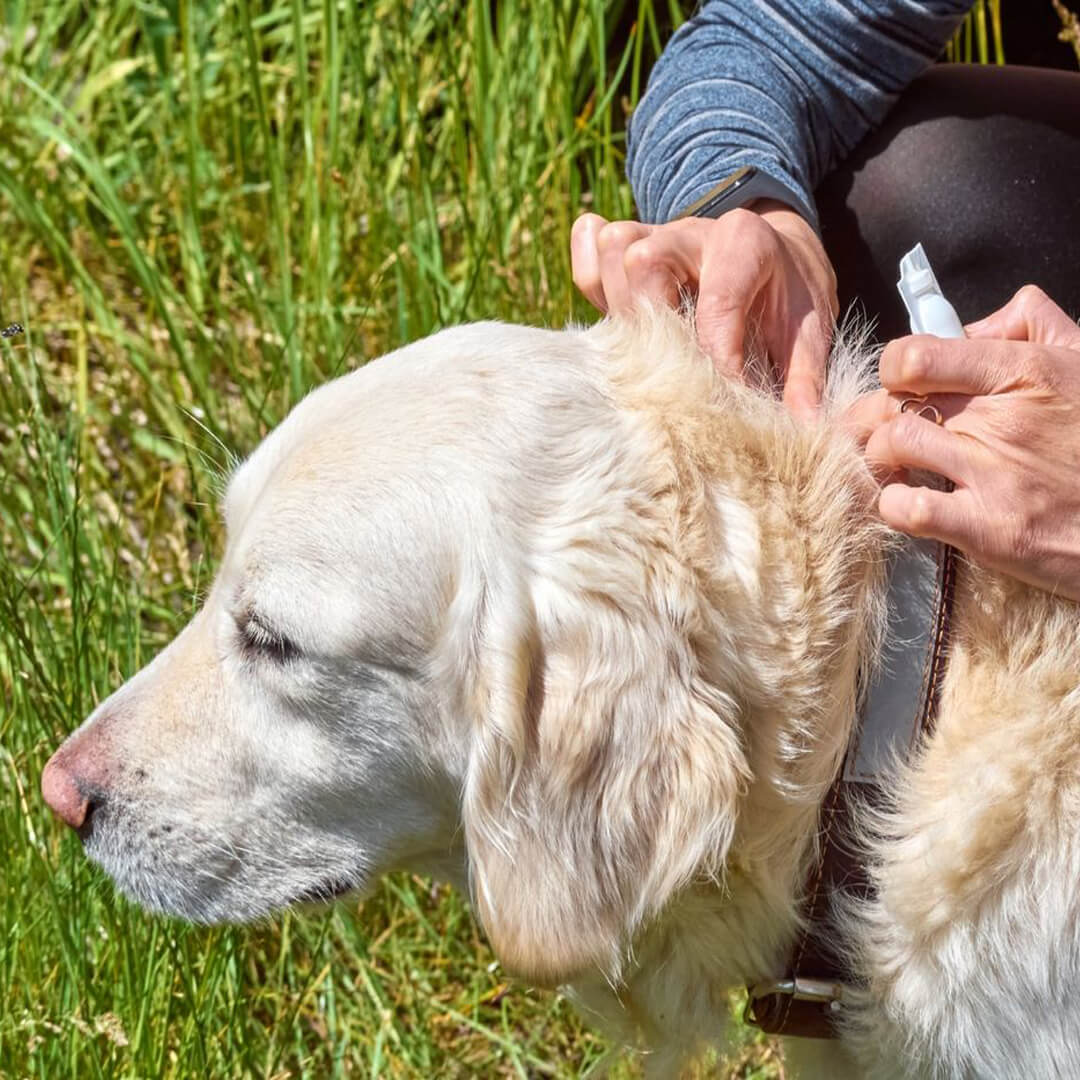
x=585, y=259
x=1029, y=316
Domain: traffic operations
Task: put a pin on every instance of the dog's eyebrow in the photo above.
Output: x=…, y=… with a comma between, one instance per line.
x=247, y=616
x=251, y=616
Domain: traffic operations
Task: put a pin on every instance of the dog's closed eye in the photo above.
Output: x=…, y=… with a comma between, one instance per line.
x=260, y=639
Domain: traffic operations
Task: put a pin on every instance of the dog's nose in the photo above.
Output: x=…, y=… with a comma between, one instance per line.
x=76, y=778
x=63, y=794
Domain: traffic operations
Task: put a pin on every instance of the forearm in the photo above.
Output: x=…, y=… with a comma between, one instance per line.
x=787, y=86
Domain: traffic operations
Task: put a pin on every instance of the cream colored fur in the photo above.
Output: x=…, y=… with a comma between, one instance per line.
x=578, y=624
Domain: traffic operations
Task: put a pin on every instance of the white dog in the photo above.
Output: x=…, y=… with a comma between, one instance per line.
x=566, y=618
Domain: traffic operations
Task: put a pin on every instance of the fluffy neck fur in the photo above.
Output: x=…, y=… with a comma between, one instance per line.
x=775, y=520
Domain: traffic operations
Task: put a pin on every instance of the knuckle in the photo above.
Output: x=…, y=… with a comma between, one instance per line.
x=616, y=235
x=742, y=219
x=914, y=363
x=643, y=254
x=920, y=515
x=1030, y=298
x=747, y=228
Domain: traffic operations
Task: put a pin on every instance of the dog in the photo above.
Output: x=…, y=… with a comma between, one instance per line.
x=570, y=620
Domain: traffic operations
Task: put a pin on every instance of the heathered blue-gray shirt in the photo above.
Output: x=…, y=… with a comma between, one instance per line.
x=789, y=86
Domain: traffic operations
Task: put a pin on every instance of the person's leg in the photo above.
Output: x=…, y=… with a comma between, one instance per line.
x=981, y=164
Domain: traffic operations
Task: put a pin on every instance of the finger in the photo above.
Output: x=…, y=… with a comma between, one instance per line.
x=657, y=267
x=612, y=242
x=585, y=258
x=913, y=442
x=871, y=410
x=867, y=413
x=805, y=378
x=920, y=511
x=862, y=418
x=930, y=365
x=1029, y=316
x=723, y=337
x=740, y=259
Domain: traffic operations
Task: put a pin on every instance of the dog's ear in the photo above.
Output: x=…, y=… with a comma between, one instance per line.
x=604, y=775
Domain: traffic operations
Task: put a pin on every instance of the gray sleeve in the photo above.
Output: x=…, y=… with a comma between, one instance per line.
x=789, y=86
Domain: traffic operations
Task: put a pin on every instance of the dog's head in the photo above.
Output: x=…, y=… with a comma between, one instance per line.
x=451, y=626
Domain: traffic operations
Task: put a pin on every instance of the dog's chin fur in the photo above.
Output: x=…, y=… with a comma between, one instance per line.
x=571, y=614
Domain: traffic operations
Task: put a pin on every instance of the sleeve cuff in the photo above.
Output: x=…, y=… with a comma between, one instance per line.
x=722, y=197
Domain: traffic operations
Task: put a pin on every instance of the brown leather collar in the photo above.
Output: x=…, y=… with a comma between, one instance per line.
x=809, y=1000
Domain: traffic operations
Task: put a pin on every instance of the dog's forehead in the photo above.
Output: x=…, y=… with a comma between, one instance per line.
x=321, y=491
x=318, y=419
x=381, y=419
x=333, y=529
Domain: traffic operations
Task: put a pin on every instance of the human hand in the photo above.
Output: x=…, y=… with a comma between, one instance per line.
x=1009, y=399
x=763, y=267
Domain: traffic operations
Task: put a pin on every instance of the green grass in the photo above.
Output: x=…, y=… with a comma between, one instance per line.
x=206, y=209
x=979, y=39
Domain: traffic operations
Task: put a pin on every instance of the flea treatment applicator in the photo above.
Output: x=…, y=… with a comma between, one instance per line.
x=928, y=310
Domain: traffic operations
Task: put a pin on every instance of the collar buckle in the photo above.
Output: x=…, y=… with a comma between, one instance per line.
x=801, y=989
x=770, y=1006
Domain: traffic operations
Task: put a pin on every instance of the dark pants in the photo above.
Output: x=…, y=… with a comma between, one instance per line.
x=981, y=164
